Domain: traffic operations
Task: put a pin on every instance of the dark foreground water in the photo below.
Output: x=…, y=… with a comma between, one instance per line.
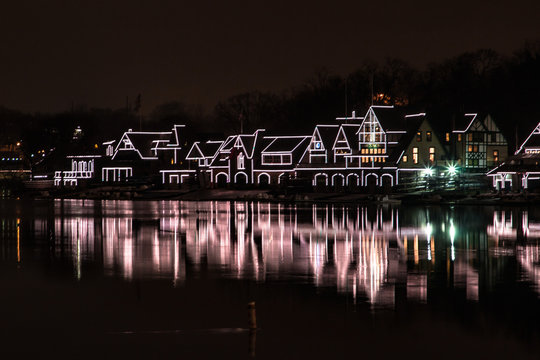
x=167, y=279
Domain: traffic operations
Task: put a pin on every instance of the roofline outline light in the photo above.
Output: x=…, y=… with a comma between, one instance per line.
x=474, y=115
x=415, y=115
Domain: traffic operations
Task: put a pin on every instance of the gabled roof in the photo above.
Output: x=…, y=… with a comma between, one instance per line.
x=248, y=142
x=204, y=150
x=462, y=123
x=390, y=118
x=327, y=134
x=144, y=142
x=195, y=152
x=413, y=123
x=350, y=131
x=532, y=141
x=281, y=144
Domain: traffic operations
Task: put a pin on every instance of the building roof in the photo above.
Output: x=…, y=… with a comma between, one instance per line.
x=146, y=142
x=532, y=140
x=350, y=131
x=203, y=150
x=390, y=118
x=281, y=144
x=463, y=122
x=328, y=134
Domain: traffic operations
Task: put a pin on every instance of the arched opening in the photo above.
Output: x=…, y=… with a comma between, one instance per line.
x=241, y=179
x=338, y=181
x=353, y=181
x=387, y=182
x=263, y=180
x=371, y=182
x=222, y=179
x=320, y=181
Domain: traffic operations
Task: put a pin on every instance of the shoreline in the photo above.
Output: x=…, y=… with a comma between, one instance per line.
x=273, y=195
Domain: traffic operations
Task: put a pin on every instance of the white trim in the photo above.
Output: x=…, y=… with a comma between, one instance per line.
x=265, y=174
x=357, y=179
x=320, y=174
x=470, y=123
x=342, y=179
x=376, y=178
x=391, y=179
x=222, y=173
x=243, y=173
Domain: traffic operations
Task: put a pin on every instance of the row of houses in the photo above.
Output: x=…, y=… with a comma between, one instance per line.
x=382, y=148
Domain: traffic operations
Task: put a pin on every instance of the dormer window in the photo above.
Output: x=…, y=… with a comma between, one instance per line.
x=317, y=145
x=128, y=144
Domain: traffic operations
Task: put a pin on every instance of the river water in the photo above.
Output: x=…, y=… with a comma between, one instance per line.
x=170, y=279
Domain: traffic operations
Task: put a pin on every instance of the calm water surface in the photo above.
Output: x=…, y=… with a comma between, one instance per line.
x=169, y=279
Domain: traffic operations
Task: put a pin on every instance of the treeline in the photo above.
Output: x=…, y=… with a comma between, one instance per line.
x=508, y=87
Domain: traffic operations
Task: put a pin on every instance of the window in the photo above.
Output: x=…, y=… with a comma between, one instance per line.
x=405, y=158
x=459, y=137
x=415, y=155
x=469, y=148
x=432, y=154
x=493, y=137
x=469, y=137
x=279, y=159
x=447, y=137
x=496, y=155
x=428, y=135
x=240, y=162
x=419, y=136
x=127, y=144
x=317, y=145
x=475, y=148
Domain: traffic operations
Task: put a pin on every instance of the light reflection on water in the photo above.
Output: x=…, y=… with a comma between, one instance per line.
x=365, y=252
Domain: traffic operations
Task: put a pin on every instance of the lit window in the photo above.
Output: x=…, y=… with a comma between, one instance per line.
x=404, y=158
x=432, y=154
x=419, y=136
x=470, y=148
x=240, y=161
x=475, y=148
x=447, y=137
x=459, y=137
x=415, y=155
x=496, y=155
x=428, y=135
x=469, y=136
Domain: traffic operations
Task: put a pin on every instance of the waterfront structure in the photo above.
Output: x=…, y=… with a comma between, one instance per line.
x=138, y=154
x=13, y=161
x=278, y=159
x=521, y=171
x=235, y=160
x=381, y=149
x=478, y=144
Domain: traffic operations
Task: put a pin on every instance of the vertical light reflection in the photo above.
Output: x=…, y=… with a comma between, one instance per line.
x=360, y=251
x=18, y=240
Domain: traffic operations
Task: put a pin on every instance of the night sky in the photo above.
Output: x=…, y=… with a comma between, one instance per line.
x=55, y=53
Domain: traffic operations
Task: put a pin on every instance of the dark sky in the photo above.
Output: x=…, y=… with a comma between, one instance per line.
x=98, y=52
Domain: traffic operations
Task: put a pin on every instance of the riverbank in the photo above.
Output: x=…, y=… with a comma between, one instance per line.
x=194, y=194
